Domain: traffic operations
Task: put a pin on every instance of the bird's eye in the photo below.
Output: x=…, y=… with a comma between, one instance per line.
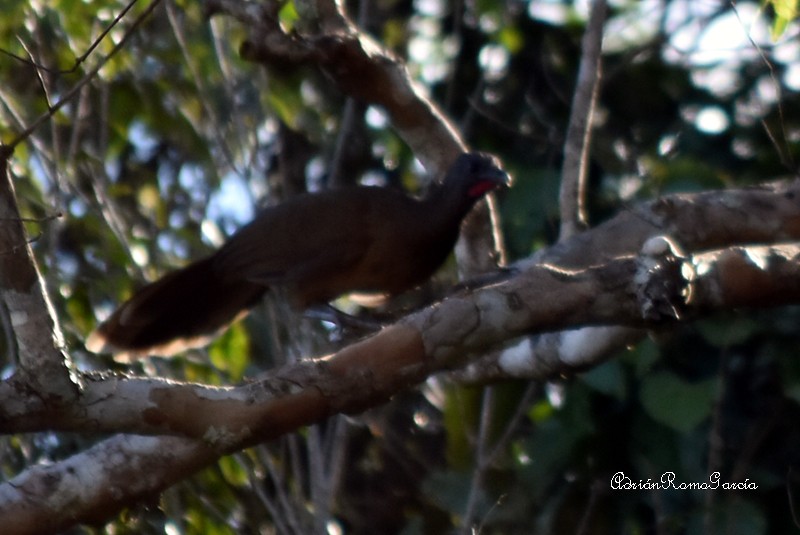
x=477, y=166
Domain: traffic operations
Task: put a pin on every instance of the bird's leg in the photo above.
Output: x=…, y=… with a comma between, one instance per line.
x=342, y=319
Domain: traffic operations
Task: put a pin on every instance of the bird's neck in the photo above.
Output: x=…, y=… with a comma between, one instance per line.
x=447, y=205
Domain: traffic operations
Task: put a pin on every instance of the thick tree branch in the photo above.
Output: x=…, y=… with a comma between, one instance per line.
x=643, y=290
x=596, y=278
x=769, y=213
x=359, y=66
x=96, y=484
x=372, y=370
x=708, y=220
x=45, y=368
x=363, y=69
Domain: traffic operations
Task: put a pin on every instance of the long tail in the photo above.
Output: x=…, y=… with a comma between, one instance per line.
x=184, y=309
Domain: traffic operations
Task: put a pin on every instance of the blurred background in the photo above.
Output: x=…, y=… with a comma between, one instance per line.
x=177, y=142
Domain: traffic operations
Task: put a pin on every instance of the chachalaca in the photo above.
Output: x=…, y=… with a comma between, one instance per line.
x=317, y=246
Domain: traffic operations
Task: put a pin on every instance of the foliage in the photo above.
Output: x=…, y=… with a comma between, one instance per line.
x=177, y=141
x=785, y=12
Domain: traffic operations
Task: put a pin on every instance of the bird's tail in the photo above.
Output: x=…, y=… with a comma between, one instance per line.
x=184, y=309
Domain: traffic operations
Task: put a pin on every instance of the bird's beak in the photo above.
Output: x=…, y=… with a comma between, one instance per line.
x=489, y=180
x=499, y=177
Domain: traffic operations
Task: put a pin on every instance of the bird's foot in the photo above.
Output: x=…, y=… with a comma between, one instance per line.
x=347, y=322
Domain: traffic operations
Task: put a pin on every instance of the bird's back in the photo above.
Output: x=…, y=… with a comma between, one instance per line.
x=353, y=239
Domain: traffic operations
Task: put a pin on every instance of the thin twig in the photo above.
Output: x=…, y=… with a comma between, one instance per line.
x=38, y=70
x=585, y=526
x=257, y=485
x=336, y=448
x=80, y=59
x=287, y=505
x=69, y=95
x=319, y=489
x=572, y=198
x=486, y=455
x=716, y=443
x=8, y=335
x=352, y=109
x=203, y=92
x=44, y=219
x=476, y=484
x=522, y=410
x=783, y=149
x=352, y=113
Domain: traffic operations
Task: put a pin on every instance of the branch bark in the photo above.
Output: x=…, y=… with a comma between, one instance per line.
x=635, y=289
x=96, y=484
x=572, y=197
x=659, y=286
x=602, y=277
x=36, y=336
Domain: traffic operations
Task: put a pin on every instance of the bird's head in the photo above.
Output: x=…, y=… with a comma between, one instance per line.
x=476, y=173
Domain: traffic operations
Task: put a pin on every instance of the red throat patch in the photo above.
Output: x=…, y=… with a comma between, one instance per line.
x=479, y=188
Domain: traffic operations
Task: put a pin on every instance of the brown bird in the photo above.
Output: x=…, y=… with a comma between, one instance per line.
x=317, y=246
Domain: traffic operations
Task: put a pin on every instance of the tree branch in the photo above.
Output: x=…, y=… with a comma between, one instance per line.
x=45, y=368
x=359, y=66
x=572, y=197
x=96, y=484
x=699, y=222
x=363, y=69
x=660, y=286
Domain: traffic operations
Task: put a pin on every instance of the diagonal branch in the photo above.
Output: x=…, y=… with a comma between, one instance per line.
x=94, y=485
x=370, y=371
x=359, y=66
x=365, y=70
x=38, y=338
x=652, y=285
x=660, y=285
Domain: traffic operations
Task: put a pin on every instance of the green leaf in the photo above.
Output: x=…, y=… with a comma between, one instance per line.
x=728, y=331
x=677, y=403
x=449, y=490
x=541, y=411
x=785, y=12
x=512, y=39
x=642, y=357
x=461, y=414
x=234, y=472
x=230, y=352
x=285, y=100
x=288, y=16
x=607, y=378
x=526, y=213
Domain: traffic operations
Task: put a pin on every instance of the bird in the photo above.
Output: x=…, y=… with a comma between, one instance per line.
x=315, y=247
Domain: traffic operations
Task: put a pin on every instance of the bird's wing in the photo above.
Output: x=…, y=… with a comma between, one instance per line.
x=303, y=238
